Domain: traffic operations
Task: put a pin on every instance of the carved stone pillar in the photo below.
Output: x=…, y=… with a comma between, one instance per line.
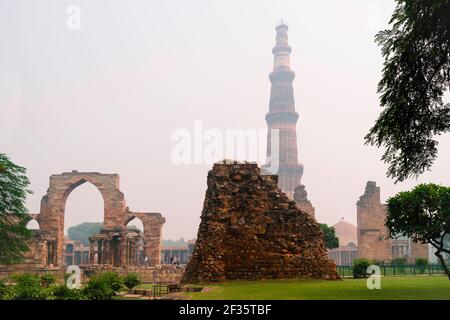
x=106, y=252
x=99, y=252
x=111, y=252
x=123, y=251
x=91, y=252
x=153, y=235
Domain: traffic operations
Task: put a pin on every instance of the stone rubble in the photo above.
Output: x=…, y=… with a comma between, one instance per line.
x=251, y=230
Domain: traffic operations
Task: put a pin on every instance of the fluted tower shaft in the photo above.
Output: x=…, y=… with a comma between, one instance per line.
x=282, y=115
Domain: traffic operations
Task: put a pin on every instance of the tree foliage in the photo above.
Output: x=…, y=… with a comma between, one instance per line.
x=423, y=215
x=13, y=213
x=416, y=74
x=83, y=231
x=331, y=241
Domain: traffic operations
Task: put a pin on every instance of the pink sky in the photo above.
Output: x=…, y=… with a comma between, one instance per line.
x=107, y=97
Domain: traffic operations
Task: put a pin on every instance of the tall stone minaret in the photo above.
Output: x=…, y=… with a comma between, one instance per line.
x=282, y=116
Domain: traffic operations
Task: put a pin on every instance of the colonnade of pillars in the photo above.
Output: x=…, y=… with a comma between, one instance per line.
x=115, y=251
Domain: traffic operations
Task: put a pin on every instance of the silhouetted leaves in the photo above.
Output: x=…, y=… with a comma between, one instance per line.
x=415, y=75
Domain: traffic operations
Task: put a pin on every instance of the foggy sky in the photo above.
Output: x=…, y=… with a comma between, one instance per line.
x=107, y=97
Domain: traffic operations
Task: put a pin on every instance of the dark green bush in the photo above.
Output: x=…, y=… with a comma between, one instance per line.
x=97, y=288
x=28, y=287
x=131, y=280
x=400, y=264
x=5, y=291
x=360, y=268
x=62, y=292
x=113, y=280
x=421, y=264
x=47, y=280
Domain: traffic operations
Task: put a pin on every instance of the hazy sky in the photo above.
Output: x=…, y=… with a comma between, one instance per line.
x=107, y=97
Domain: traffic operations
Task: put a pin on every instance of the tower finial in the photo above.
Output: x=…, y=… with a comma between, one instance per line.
x=282, y=23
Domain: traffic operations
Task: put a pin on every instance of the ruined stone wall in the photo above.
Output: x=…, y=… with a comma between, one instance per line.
x=37, y=256
x=250, y=230
x=419, y=250
x=374, y=242
x=153, y=223
x=373, y=236
x=37, y=259
x=116, y=213
x=9, y=272
x=161, y=274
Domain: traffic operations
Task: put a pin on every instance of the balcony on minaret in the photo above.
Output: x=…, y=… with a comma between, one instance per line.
x=282, y=49
x=281, y=61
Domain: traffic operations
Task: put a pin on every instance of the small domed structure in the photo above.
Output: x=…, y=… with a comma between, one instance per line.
x=346, y=232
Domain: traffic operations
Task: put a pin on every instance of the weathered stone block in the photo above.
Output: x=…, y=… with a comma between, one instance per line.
x=266, y=236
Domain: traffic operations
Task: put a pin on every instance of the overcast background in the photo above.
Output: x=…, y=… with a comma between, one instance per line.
x=107, y=97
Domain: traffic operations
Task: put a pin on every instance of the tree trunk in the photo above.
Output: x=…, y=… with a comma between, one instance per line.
x=444, y=265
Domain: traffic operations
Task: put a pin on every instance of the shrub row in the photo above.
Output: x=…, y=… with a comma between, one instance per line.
x=359, y=266
x=29, y=286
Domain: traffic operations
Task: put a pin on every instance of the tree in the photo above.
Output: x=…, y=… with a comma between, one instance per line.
x=13, y=213
x=423, y=215
x=83, y=231
x=416, y=74
x=331, y=241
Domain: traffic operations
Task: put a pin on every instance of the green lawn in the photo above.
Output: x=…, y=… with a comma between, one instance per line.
x=409, y=288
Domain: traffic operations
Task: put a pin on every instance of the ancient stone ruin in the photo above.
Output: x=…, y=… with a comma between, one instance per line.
x=114, y=246
x=251, y=230
x=374, y=242
x=301, y=199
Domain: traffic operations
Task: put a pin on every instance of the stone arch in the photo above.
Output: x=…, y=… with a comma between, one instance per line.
x=53, y=203
x=33, y=224
x=83, y=200
x=152, y=223
x=141, y=243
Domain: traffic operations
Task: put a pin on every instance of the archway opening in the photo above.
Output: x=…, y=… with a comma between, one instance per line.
x=136, y=224
x=83, y=217
x=33, y=225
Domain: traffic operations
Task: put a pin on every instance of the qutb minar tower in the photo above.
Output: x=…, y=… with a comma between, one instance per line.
x=282, y=116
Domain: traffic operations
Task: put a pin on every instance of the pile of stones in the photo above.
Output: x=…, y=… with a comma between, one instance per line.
x=251, y=230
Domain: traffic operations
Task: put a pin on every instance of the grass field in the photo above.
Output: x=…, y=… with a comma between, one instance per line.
x=392, y=288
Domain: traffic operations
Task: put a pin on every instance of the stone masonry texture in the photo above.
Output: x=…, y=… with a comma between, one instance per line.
x=374, y=242
x=282, y=116
x=250, y=229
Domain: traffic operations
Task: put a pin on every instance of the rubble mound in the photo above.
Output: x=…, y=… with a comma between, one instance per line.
x=251, y=230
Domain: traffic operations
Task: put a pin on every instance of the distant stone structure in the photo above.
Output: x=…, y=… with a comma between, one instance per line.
x=344, y=255
x=301, y=199
x=373, y=236
x=347, y=250
x=114, y=245
x=250, y=229
x=75, y=252
x=346, y=232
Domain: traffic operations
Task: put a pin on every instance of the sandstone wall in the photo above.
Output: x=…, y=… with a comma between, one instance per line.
x=162, y=274
x=373, y=236
x=250, y=230
x=374, y=242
